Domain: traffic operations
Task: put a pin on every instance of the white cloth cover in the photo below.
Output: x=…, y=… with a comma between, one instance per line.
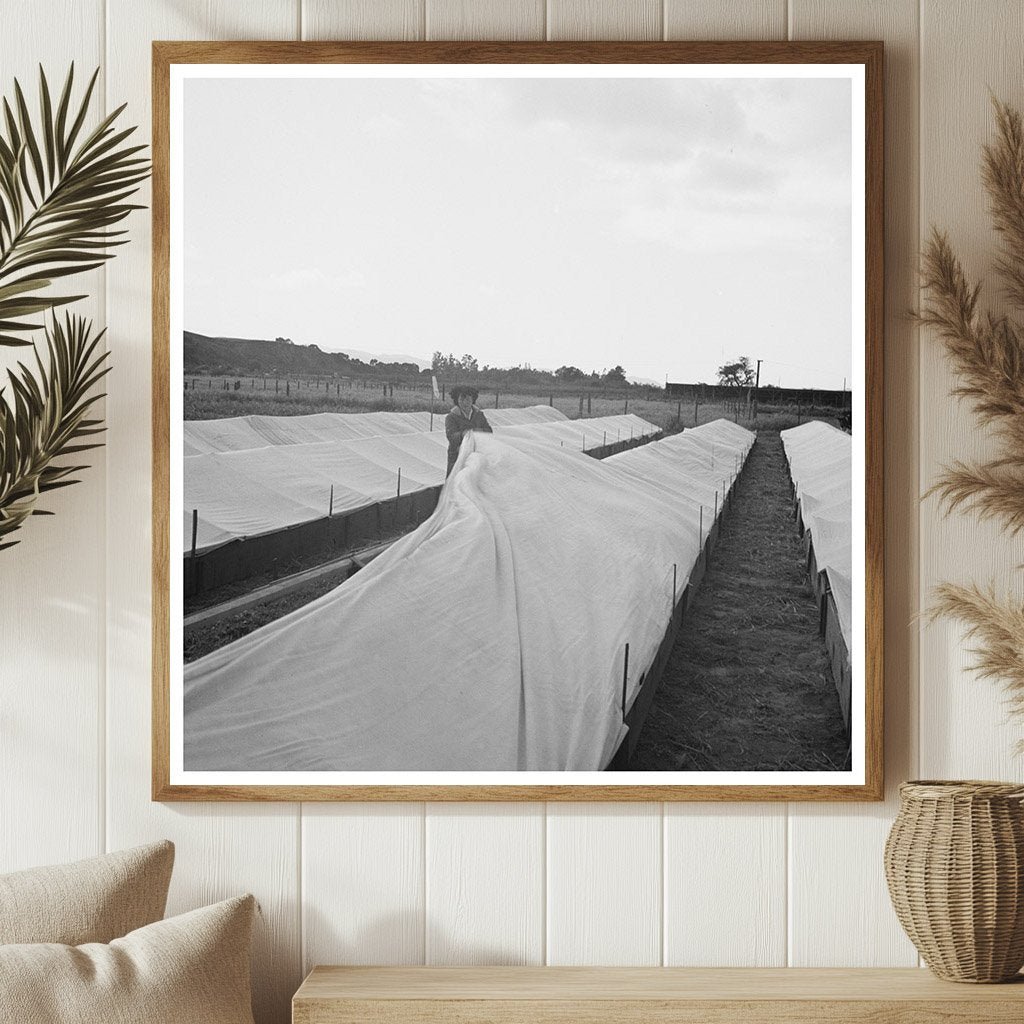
x=249, y=491
x=490, y=639
x=821, y=464
x=241, y=432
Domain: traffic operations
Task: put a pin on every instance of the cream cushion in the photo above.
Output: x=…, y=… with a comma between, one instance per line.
x=190, y=969
x=92, y=900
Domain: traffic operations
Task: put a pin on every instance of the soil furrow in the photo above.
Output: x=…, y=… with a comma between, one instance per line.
x=748, y=687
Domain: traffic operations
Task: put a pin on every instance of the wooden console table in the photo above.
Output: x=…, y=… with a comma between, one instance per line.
x=637, y=995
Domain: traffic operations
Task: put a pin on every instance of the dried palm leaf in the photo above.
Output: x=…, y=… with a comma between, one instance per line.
x=992, y=490
x=987, y=354
x=998, y=629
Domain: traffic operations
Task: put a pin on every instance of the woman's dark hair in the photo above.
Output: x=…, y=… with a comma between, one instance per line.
x=463, y=389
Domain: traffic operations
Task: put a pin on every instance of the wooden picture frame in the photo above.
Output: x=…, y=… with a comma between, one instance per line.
x=169, y=782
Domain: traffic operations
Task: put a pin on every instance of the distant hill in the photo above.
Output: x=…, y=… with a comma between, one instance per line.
x=256, y=356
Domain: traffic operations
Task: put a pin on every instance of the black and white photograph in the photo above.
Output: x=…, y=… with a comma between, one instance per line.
x=518, y=424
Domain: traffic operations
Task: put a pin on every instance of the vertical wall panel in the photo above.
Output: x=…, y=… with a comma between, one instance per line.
x=727, y=19
x=362, y=884
x=599, y=19
x=967, y=49
x=725, y=885
x=363, y=19
x=725, y=863
x=485, y=19
x=485, y=883
x=222, y=849
x=836, y=851
x=604, y=883
x=51, y=583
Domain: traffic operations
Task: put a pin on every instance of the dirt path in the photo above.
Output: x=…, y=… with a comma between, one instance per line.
x=747, y=686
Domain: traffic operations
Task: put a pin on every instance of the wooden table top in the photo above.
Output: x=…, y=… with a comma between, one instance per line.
x=632, y=984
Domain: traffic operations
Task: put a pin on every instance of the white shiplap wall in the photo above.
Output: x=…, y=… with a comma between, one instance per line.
x=508, y=883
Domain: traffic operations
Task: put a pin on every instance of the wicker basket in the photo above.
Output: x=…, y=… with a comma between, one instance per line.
x=954, y=861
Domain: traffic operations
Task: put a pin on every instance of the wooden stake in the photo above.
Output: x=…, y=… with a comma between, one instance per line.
x=674, y=565
x=702, y=524
x=330, y=507
x=716, y=505
x=625, y=678
x=398, y=494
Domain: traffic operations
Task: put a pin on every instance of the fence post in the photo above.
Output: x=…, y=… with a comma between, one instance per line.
x=398, y=493
x=330, y=507
x=192, y=553
x=625, y=679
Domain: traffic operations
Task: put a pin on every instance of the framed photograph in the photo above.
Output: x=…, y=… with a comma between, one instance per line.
x=517, y=421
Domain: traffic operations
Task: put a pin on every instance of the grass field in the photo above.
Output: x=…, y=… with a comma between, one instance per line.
x=207, y=398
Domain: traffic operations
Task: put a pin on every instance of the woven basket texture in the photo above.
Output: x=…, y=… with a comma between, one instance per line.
x=954, y=861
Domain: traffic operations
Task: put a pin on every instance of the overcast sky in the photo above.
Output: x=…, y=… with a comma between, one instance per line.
x=667, y=225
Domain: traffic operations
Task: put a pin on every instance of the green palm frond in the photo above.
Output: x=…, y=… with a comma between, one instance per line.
x=62, y=191
x=45, y=418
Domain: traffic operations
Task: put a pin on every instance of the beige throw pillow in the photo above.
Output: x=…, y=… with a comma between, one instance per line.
x=190, y=969
x=92, y=900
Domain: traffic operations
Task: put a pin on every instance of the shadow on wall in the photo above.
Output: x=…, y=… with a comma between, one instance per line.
x=378, y=942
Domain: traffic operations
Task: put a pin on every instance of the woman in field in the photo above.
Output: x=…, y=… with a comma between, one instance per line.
x=465, y=416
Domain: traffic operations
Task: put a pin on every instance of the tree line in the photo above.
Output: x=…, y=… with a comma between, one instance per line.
x=467, y=366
